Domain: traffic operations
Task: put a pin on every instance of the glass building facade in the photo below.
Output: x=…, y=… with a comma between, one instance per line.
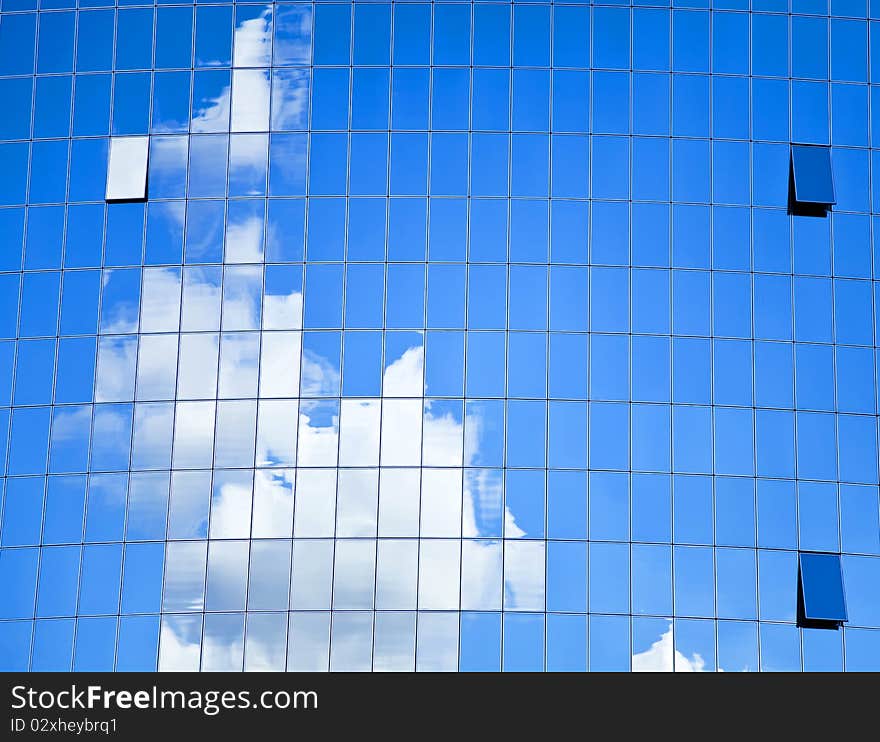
x=438, y=336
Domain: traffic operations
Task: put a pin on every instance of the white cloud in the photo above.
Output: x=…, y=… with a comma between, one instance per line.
x=247, y=99
x=157, y=366
x=265, y=644
x=404, y=376
x=280, y=364
x=662, y=656
x=231, y=505
x=358, y=433
x=223, y=642
x=273, y=503
x=153, y=425
x=252, y=44
x=524, y=575
x=442, y=438
x=71, y=424
x=180, y=643
x=242, y=297
x=276, y=432
x=319, y=377
x=201, y=298
x=290, y=99
x=239, y=365
x=117, y=358
x=318, y=442
x=250, y=100
x=244, y=240
x=212, y=115
x=441, y=502
x=283, y=311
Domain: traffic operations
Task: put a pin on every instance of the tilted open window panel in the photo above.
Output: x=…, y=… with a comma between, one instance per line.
x=821, y=599
x=811, y=180
x=127, y=169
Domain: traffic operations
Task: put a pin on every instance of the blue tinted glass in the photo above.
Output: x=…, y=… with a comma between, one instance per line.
x=21, y=508
x=45, y=237
x=822, y=586
x=213, y=41
x=372, y=34
x=332, y=29
x=48, y=171
x=17, y=44
x=536, y=293
x=91, y=105
x=811, y=168
x=174, y=37
x=138, y=643
x=53, y=645
x=95, y=644
x=19, y=570
x=52, y=106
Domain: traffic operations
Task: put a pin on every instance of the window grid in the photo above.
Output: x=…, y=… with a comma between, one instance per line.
x=593, y=272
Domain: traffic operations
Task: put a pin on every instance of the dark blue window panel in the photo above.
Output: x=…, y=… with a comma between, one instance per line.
x=131, y=103
x=134, y=39
x=16, y=94
x=11, y=238
x=34, y=371
x=45, y=237
x=39, y=301
x=52, y=106
x=174, y=37
x=48, y=171
x=286, y=219
x=213, y=42
x=171, y=94
x=17, y=34
x=55, y=53
x=21, y=511
x=13, y=172
x=76, y=370
x=29, y=442
x=164, y=233
x=812, y=175
x=369, y=98
x=88, y=169
x=372, y=34
x=91, y=105
x=821, y=588
x=94, y=42
x=10, y=285
x=332, y=29
x=125, y=231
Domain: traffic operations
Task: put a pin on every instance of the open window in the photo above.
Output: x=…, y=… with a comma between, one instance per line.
x=127, y=169
x=810, y=180
x=821, y=600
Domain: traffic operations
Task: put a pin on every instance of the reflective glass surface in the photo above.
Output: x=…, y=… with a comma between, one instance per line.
x=811, y=167
x=127, y=170
x=436, y=336
x=822, y=586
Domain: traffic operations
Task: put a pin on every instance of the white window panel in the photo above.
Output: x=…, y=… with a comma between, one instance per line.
x=127, y=169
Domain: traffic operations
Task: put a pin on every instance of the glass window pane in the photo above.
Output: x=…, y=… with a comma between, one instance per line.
x=127, y=168
x=822, y=587
x=811, y=171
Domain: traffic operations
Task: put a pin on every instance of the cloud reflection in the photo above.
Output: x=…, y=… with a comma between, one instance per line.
x=662, y=656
